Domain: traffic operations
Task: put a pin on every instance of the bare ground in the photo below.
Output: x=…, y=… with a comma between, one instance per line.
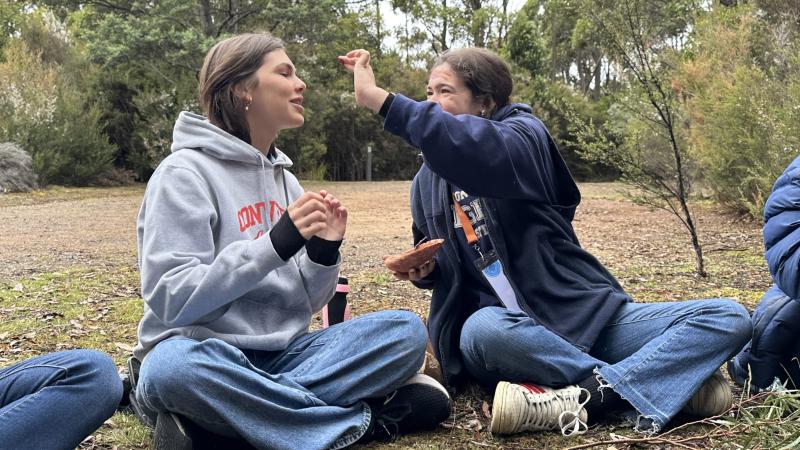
x=68, y=278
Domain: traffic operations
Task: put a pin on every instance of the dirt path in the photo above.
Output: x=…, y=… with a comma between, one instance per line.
x=61, y=228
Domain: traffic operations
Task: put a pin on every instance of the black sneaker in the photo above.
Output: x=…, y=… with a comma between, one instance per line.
x=421, y=403
x=171, y=433
x=176, y=432
x=145, y=414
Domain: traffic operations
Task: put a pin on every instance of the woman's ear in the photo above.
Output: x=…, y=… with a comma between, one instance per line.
x=243, y=95
x=241, y=92
x=487, y=106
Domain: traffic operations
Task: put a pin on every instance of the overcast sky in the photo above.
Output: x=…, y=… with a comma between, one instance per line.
x=392, y=20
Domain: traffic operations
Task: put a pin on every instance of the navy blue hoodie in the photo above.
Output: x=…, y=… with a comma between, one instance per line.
x=529, y=197
x=775, y=346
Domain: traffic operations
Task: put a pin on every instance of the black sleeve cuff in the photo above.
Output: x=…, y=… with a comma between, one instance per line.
x=386, y=105
x=285, y=237
x=323, y=251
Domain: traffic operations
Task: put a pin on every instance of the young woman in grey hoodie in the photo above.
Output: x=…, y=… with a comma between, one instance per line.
x=235, y=258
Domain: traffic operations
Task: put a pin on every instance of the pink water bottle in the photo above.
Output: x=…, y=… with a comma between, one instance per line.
x=337, y=310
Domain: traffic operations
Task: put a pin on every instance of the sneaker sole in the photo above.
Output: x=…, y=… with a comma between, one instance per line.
x=498, y=425
x=432, y=399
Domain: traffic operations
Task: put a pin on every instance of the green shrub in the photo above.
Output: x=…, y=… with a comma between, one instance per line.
x=44, y=107
x=743, y=97
x=71, y=149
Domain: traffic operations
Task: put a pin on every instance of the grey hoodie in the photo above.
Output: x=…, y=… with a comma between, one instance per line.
x=208, y=266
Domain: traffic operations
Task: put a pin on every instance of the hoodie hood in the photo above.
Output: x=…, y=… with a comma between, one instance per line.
x=193, y=131
x=509, y=109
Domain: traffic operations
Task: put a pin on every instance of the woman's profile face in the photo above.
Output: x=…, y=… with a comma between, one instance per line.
x=446, y=88
x=277, y=99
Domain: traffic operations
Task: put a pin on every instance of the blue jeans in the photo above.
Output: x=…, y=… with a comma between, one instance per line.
x=310, y=395
x=54, y=401
x=654, y=355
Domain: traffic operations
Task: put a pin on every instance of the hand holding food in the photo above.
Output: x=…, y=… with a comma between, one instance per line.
x=413, y=259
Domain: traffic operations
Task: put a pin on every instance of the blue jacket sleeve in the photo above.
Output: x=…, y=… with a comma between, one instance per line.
x=511, y=158
x=782, y=231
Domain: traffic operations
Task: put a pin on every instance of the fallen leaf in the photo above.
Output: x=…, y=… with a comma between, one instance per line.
x=485, y=408
x=474, y=424
x=124, y=346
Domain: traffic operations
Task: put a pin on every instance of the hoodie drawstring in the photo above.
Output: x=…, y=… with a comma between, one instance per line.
x=285, y=189
x=267, y=220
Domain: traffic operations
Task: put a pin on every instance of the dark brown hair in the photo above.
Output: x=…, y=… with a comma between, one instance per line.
x=483, y=72
x=230, y=62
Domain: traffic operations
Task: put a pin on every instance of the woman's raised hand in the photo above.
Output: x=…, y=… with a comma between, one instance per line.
x=368, y=94
x=336, y=218
x=309, y=214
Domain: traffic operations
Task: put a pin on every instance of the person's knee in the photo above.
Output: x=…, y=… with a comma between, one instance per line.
x=399, y=336
x=741, y=324
x=412, y=332
x=483, y=330
x=736, y=321
x=173, y=367
x=101, y=377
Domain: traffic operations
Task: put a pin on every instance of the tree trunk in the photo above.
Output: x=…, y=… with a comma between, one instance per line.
x=682, y=197
x=208, y=21
x=378, y=27
x=444, y=26
x=234, y=4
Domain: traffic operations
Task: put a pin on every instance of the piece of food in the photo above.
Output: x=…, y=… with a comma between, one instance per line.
x=415, y=257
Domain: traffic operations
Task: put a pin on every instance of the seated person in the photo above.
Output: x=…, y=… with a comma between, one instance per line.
x=517, y=302
x=773, y=352
x=235, y=259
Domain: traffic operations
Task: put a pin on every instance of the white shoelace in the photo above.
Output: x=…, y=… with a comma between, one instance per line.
x=560, y=407
x=570, y=420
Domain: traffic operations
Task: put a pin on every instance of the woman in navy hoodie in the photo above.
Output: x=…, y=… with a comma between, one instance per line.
x=517, y=303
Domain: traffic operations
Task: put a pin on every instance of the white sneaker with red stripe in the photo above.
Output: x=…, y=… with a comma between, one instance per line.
x=528, y=407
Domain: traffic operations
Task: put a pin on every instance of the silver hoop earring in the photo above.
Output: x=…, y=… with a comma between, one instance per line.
x=483, y=113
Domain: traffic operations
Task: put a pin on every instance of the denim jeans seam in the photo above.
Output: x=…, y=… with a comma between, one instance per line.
x=33, y=395
x=316, y=343
x=344, y=441
x=684, y=313
x=4, y=411
x=37, y=366
x=310, y=362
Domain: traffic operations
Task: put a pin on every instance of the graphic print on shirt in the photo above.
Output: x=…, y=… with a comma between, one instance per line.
x=252, y=215
x=486, y=264
x=471, y=205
